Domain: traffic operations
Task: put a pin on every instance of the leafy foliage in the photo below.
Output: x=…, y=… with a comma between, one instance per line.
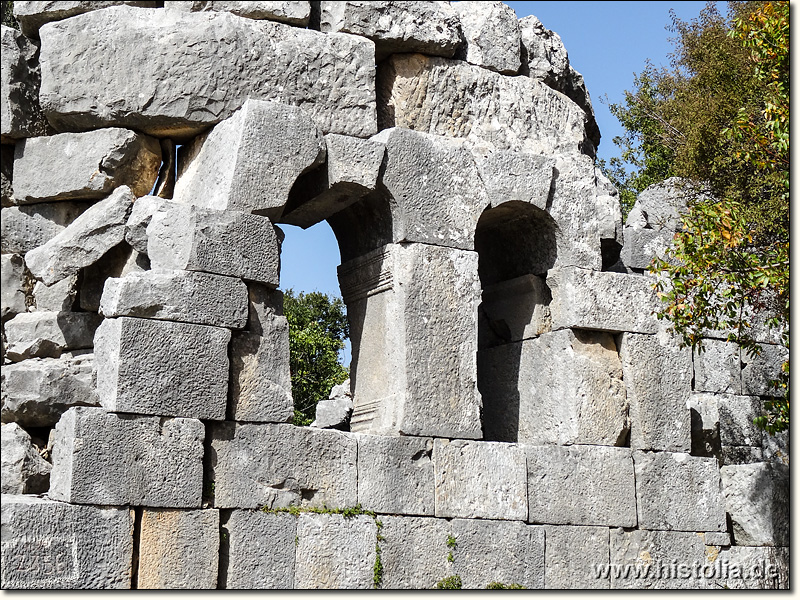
x=318, y=329
x=496, y=585
x=449, y=583
x=8, y=19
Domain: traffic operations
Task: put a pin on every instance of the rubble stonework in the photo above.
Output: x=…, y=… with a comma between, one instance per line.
x=515, y=413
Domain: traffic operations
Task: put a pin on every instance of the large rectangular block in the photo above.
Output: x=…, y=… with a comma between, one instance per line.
x=414, y=552
x=718, y=368
x=479, y=480
x=675, y=491
x=49, y=334
x=574, y=556
x=261, y=550
x=258, y=465
x=56, y=546
x=105, y=458
x=294, y=13
x=23, y=228
x=757, y=500
x=162, y=368
x=598, y=480
x=32, y=15
x=178, y=549
x=492, y=33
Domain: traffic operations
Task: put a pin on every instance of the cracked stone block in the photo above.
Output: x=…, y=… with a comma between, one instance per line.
x=717, y=368
x=24, y=470
x=758, y=372
x=59, y=297
x=256, y=465
x=37, y=391
x=16, y=286
x=201, y=77
x=20, y=114
x=678, y=492
x=24, y=228
x=395, y=474
x=49, y=334
x=112, y=459
x=754, y=568
x=162, y=368
x=598, y=480
x=178, y=550
x=492, y=33
x=53, y=545
x=261, y=550
x=32, y=15
x=573, y=555
x=479, y=480
x=293, y=13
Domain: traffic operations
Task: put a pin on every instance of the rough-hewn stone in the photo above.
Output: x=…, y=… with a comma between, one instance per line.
x=758, y=372
x=59, y=297
x=24, y=228
x=492, y=33
x=49, y=334
x=515, y=176
x=757, y=499
x=32, y=15
x=141, y=214
x=718, y=368
x=293, y=13
x=753, y=568
x=736, y=414
x=19, y=88
x=573, y=555
x=24, y=470
x=261, y=550
x=16, y=286
x=119, y=261
x=335, y=411
x=414, y=552
x=6, y=177
x=513, y=310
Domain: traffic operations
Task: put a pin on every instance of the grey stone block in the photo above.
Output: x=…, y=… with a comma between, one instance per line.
x=331, y=76
x=24, y=470
x=757, y=500
x=162, y=368
x=414, y=552
x=19, y=81
x=36, y=392
x=59, y=297
x=513, y=310
x=52, y=545
x=740, y=455
x=675, y=491
x=223, y=242
x=335, y=412
x=479, y=480
x=717, y=368
x=753, y=568
x=492, y=33
x=256, y=465
x=335, y=552
x=105, y=458
x=511, y=176
x=717, y=538
x=395, y=475
x=293, y=13
x=49, y=334
x=598, y=480
x=24, y=228
x=83, y=241
x=119, y=261
x=84, y=166
x=736, y=414
x=261, y=550
x=573, y=556
x=759, y=371
x=16, y=286
x=6, y=179
x=32, y=15
x=178, y=549
x=142, y=213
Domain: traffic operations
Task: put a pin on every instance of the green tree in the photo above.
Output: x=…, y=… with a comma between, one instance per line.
x=318, y=329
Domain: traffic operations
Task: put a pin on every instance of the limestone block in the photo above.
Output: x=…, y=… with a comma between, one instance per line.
x=776, y=447
x=178, y=549
x=265, y=306
x=754, y=568
x=602, y=300
x=759, y=371
x=599, y=481
x=514, y=310
x=334, y=552
x=201, y=77
x=675, y=491
x=261, y=550
x=515, y=176
x=250, y=161
x=455, y=99
x=53, y=545
x=257, y=465
x=119, y=261
x=24, y=471
x=757, y=499
x=84, y=166
x=740, y=455
x=564, y=387
x=492, y=33
x=717, y=368
x=19, y=88
x=49, y=334
x=36, y=392
x=716, y=538
x=736, y=414
x=479, y=480
x=293, y=13
x=427, y=27
x=410, y=378
x=107, y=458
x=414, y=552
x=83, y=241
x=24, y=228
x=59, y=297
x=658, y=379
x=142, y=213
x=6, y=178
x=16, y=286
x=395, y=474
x=32, y=15
x=223, y=242
x=162, y=368
x=335, y=412
x=573, y=555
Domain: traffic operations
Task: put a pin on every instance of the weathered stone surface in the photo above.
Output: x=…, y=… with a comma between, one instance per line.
x=250, y=161
x=511, y=176
x=740, y=455
x=718, y=368
x=602, y=300
x=573, y=555
x=142, y=213
x=455, y=99
x=479, y=480
x=736, y=414
x=24, y=228
x=16, y=286
x=83, y=241
x=261, y=550
x=202, y=76
x=492, y=33
x=85, y=166
x=223, y=242
x=24, y=471
x=564, y=387
x=334, y=552
x=106, y=458
x=256, y=465
x=675, y=491
x=658, y=379
x=162, y=368
x=599, y=481
x=119, y=261
x=757, y=499
x=19, y=88
x=335, y=411
x=428, y=27
x=716, y=538
x=414, y=552
x=32, y=15
x=49, y=334
x=59, y=297
x=293, y=13
x=395, y=474
x=178, y=549
x=6, y=178
x=513, y=310
x=759, y=371
x=52, y=545
x=754, y=568
x=36, y=392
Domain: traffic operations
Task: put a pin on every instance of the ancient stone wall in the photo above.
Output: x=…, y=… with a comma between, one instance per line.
x=519, y=414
